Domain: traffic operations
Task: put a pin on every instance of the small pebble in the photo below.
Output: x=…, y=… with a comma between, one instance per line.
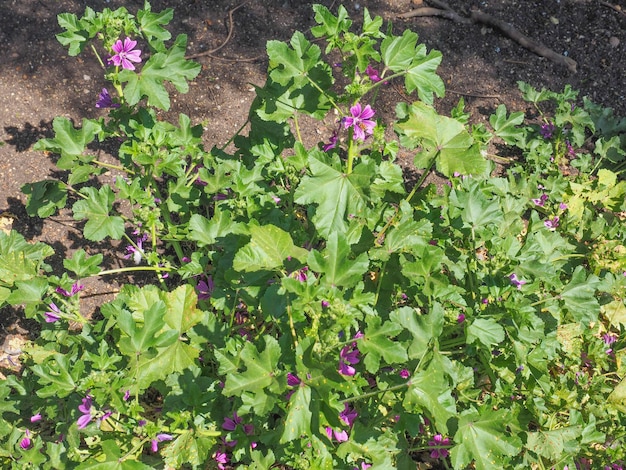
x=613, y=41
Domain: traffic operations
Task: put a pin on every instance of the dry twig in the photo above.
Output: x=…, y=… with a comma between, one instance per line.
x=231, y=27
x=505, y=28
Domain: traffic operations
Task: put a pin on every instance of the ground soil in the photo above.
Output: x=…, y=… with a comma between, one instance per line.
x=38, y=81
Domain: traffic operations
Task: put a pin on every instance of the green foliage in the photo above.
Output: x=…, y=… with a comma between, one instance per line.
x=311, y=310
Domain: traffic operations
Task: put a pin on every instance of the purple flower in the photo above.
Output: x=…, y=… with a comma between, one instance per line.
x=360, y=121
x=562, y=206
x=341, y=436
x=125, y=54
x=516, y=281
x=541, y=201
x=221, y=458
x=436, y=444
x=551, y=224
x=53, y=315
x=293, y=380
x=126, y=395
x=136, y=251
x=547, y=130
x=231, y=424
x=85, y=408
x=205, y=288
x=154, y=445
x=570, y=150
x=105, y=100
x=300, y=275
x=35, y=418
x=26, y=442
x=332, y=142
x=76, y=288
x=348, y=356
x=348, y=415
x=609, y=339
x=372, y=73
x=364, y=466
x=325, y=303
x=405, y=374
x=460, y=318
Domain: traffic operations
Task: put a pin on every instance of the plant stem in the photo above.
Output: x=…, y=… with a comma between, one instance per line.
x=113, y=167
x=93, y=48
x=379, y=237
x=377, y=392
x=297, y=125
x=351, y=150
x=129, y=269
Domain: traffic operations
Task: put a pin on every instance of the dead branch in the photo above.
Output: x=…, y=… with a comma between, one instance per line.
x=617, y=8
x=231, y=27
x=523, y=40
x=505, y=28
x=427, y=11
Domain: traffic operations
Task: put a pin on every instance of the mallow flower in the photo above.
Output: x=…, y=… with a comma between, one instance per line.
x=105, y=100
x=360, y=121
x=125, y=54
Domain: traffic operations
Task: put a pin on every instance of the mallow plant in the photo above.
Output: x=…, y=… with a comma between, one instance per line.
x=310, y=308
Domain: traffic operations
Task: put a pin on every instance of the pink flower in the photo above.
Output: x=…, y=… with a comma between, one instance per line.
x=231, y=424
x=221, y=458
x=76, y=288
x=372, y=73
x=293, y=380
x=53, y=315
x=205, y=288
x=541, y=201
x=125, y=54
x=26, y=442
x=551, y=224
x=360, y=121
x=438, y=443
x=516, y=281
x=348, y=415
x=405, y=374
x=340, y=436
x=35, y=418
x=348, y=357
x=105, y=100
x=85, y=409
x=154, y=444
x=332, y=143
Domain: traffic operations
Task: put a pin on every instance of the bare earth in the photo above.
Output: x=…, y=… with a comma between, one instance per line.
x=39, y=81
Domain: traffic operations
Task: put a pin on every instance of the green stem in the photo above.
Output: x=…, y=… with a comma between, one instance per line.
x=113, y=167
x=93, y=48
x=377, y=392
x=352, y=150
x=134, y=449
x=235, y=134
x=297, y=125
x=130, y=269
x=380, y=282
x=379, y=237
x=315, y=85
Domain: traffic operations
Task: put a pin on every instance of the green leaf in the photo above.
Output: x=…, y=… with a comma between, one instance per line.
x=182, y=313
x=28, y=292
x=336, y=263
x=442, y=138
x=174, y=358
x=96, y=210
x=298, y=420
x=57, y=377
x=486, y=331
x=112, y=459
x=260, y=369
x=206, y=232
x=74, y=35
x=615, y=312
x=138, y=339
x=335, y=193
x=579, y=296
x=44, y=197
x=151, y=26
x=504, y=126
x=483, y=439
x=268, y=249
x=425, y=328
x=292, y=63
x=402, y=54
x=20, y=260
x=83, y=265
x=328, y=24
x=69, y=142
x=376, y=343
x=170, y=66
x=429, y=391
x=477, y=208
